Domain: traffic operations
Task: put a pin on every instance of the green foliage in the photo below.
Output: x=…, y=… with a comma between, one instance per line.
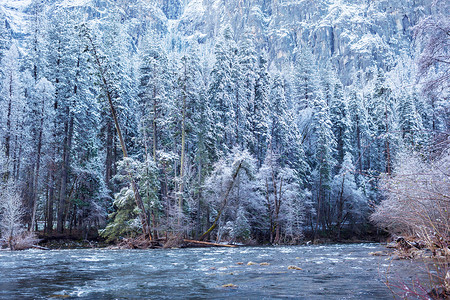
x=125, y=220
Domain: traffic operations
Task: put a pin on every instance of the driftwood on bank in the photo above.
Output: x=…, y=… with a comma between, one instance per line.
x=142, y=242
x=208, y=243
x=39, y=247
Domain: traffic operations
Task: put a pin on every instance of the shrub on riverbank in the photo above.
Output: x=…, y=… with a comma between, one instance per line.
x=417, y=205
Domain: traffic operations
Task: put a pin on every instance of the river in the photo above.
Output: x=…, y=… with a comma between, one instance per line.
x=327, y=272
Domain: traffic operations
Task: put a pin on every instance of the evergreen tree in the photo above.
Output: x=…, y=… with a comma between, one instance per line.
x=222, y=92
x=410, y=122
x=305, y=80
x=152, y=94
x=340, y=118
x=358, y=117
x=12, y=108
x=382, y=125
x=349, y=203
x=258, y=117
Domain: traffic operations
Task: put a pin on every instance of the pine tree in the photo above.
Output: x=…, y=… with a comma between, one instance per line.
x=38, y=41
x=153, y=79
x=62, y=64
x=349, y=203
x=285, y=137
x=305, y=80
x=410, y=122
x=222, y=92
x=382, y=125
x=340, y=118
x=259, y=122
x=12, y=108
x=5, y=41
x=41, y=121
x=358, y=117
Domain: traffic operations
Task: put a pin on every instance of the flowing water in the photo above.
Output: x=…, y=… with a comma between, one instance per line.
x=328, y=272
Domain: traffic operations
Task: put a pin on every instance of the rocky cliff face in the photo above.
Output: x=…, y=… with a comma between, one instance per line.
x=353, y=34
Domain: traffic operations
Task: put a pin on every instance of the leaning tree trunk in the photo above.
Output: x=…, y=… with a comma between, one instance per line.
x=224, y=202
x=137, y=196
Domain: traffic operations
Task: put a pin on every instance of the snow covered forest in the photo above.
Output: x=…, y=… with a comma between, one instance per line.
x=258, y=121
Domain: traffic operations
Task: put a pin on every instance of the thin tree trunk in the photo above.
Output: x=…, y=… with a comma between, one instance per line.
x=109, y=153
x=199, y=197
x=8, y=122
x=276, y=208
x=319, y=196
x=388, y=151
x=154, y=127
x=68, y=131
x=38, y=164
x=183, y=145
x=50, y=202
x=340, y=208
x=358, y=142
x=269, y=208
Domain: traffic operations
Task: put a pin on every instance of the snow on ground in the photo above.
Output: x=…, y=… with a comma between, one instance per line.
x=70, y=3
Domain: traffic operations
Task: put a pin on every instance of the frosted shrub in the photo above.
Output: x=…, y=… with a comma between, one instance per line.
x=417, y=198
x=11, y=213
x=417, y=205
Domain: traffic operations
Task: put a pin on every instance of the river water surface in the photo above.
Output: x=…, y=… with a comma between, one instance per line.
x=328, y=272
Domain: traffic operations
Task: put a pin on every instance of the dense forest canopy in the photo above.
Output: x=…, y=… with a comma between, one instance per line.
x=241, y=121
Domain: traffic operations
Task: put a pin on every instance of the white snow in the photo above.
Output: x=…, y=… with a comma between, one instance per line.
x=368, y=42
x=193, y=10
x=13, y=10
x=72, y=3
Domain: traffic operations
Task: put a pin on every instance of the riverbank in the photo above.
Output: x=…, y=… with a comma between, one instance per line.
x=435, y=260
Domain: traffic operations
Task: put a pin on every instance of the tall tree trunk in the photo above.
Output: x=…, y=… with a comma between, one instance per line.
x=358, y=143
x=277, y=212
x=64, y=171
x=50, y=200
x=8, y=131
x=183, y=144
x=388, y=150
x=109, y=153
x=38, y=164
x=154, y=126
x=319, y=205
x=8, y=122
x=199, y=197
x=340, y=208
x=275, y=207
x=269, y=208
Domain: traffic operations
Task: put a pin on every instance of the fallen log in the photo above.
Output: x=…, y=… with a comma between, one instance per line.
x=40, y=247
x=208, y=243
